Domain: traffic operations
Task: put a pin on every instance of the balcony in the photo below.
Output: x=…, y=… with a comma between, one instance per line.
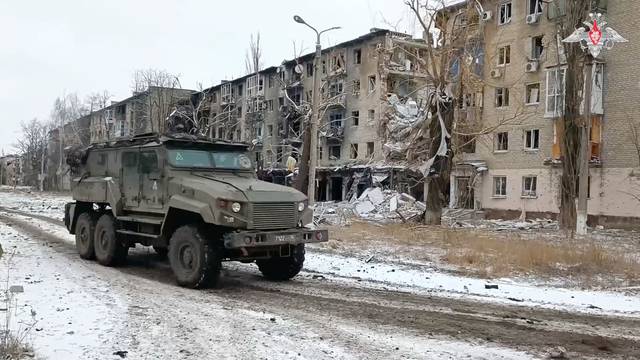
x=334, y=135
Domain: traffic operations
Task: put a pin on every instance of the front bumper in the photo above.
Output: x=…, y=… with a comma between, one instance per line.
x=250, y=239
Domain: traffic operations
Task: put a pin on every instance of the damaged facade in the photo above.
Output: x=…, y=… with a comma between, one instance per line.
x=372, y=88
x=514, y=170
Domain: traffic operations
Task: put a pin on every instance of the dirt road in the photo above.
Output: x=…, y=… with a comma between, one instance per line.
x=310, y=317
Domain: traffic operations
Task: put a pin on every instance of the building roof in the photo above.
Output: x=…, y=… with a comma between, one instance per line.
x=374, y=33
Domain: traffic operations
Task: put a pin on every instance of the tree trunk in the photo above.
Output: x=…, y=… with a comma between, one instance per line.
x=438, y=179
x=303, y=172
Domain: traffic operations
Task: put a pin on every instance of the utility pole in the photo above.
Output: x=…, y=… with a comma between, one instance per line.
x=315, y=113
x=594, y=36
x=582, y=212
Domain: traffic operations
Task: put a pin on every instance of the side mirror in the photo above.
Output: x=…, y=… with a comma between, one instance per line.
x=155, y=175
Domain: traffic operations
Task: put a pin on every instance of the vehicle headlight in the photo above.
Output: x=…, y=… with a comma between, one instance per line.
x=301, y=206
x=235, y=207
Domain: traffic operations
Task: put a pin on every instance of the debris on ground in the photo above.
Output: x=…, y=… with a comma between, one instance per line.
x=373, y=204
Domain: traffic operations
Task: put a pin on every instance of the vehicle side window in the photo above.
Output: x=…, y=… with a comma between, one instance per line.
x=130, y=159
x=148, y=162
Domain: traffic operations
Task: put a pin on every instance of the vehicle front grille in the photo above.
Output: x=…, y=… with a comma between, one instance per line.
x=274, y=215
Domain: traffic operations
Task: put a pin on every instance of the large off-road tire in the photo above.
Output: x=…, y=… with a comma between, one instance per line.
x=110, y=251
x=283, y=268
x=161, y=251
x=85, y=231
x=195, y=260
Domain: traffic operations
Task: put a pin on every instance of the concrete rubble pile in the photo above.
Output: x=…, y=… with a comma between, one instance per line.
x=498, y=224
x=374, y=204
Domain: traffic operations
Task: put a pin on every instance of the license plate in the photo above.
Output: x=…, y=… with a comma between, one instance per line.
x=285, y=238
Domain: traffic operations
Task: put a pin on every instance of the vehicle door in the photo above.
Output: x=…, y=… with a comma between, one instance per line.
x=130, y=179
x=152, y=181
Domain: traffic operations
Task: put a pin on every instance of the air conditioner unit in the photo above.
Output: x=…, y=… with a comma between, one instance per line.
x=496, y=73
x=487, y=15
x=532, y=66
x=533, y=18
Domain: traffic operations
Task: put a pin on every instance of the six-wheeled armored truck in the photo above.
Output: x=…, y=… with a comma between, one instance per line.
x=194, y=200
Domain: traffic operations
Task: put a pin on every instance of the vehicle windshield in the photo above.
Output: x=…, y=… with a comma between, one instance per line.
x=184, y=158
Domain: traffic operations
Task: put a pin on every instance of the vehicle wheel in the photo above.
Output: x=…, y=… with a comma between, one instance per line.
x=283, y=268
x=85, y=231
x=109, y=250
x=161, y=251
x=195, y=260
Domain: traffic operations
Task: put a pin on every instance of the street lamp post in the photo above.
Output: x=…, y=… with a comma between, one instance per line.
x=594, y=36
x=315, y=112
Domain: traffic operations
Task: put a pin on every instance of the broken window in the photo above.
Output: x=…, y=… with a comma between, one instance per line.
x=335, y=89
x=281, y=101
x=371, y=115
x=335, y=119
x=372, y=83
x=555, y=92
x=534, y=7
x=240, y=88
x=468, y=144
x=270, y=81
x=595, y=137
x=270, y=130
x=502, y=97
x=357, y=56
x=310, y=69
x=355, y=116
x=214, y=97
x=529, y=185
x=370, y=149
x=504, y=55
x=324, y=66
x=354, y=151
x=281, y=74
x=537, y=47
x=221, y=132
x=270, y=105
x=227, y=93
x=279, y=154
x=505, y=13
x=337, y=62
x=320, y=154
x=532, y=139
x=334, y=152
x=502, y=141
x=239, y=111
x=356, y=87
x=533, y=94
x=499, y=186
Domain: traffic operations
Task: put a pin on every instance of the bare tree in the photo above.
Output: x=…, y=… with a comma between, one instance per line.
x=97, y=101
x=253, y=57
x=571, y=119
x=32, y=146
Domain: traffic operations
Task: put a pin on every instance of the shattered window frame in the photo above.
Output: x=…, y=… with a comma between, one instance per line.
x=371, y=115
x=534, y=7
x=357, y=56
x=537, y=42
x=355, y=115
x=372, y=83
x=270, y=130
x=356, y=87
x=504, y=55
x=529, y=186
x=528, y=95
x=532, y=140
x=320, y=152
x=353, y=153
x=502, y=142
x=332, y=152
x=502, y=97
x=500, y=186
x=505, y=13
x=370, y=148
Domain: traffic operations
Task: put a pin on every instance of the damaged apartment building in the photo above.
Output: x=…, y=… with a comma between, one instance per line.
x=514, y=169
x=364, y=81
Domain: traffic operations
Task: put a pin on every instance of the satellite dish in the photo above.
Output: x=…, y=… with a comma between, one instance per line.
x=299, y=69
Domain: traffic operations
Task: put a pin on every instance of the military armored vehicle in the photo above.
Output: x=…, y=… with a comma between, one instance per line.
x=194, y=200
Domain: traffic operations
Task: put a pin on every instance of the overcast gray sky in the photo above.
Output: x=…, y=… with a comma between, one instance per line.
x=48, y=47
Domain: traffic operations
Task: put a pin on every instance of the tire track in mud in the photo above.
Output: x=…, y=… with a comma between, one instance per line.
x=315, y=301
